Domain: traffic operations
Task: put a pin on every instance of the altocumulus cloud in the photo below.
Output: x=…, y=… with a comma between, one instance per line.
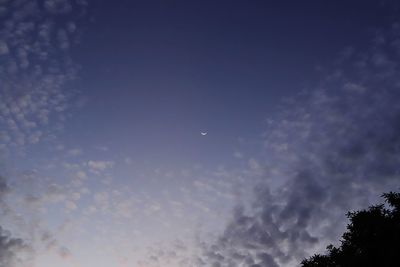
x=35, y=37
x=330, y=150
x=35, y=65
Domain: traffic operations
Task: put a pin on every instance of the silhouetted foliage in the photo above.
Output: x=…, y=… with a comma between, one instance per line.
x=372, y=239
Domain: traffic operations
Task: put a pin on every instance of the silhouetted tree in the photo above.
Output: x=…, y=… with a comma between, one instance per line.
x=372, y=239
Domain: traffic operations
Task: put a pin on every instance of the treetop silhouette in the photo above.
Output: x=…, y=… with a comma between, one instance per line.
x=372, y=239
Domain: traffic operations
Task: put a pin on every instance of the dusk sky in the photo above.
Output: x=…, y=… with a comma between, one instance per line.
x=192, y=133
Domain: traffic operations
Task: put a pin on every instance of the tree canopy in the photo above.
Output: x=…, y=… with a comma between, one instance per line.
x=372, y=239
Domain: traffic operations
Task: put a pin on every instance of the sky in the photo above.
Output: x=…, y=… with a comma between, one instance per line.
x=103, y=105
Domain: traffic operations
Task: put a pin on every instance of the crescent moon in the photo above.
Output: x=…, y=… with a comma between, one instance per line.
x=203, y=133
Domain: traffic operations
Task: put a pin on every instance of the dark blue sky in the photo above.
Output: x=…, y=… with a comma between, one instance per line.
x=221, y=66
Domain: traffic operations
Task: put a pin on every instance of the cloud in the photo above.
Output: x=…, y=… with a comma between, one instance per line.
x=64, y=253
x=99, y=166
x=75, y=152
x=329, y=150
x=3, y=48
x=14, y=252
x=58, y=6
x=10, y=248
x=35, y=65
